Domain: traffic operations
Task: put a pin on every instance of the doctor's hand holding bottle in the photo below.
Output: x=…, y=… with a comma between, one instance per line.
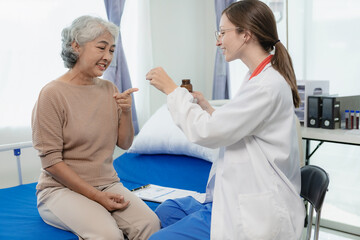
x=161, y=80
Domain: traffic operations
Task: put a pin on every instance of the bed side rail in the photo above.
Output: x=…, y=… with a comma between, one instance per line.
x=16, y=147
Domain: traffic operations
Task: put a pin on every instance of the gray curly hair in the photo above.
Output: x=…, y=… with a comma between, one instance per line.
x=82, y=30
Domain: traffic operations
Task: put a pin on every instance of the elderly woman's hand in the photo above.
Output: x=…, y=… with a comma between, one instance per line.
x=111, y=201
x=124, y=100
x=159, y=79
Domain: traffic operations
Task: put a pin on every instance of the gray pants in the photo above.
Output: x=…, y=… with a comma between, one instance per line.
x=65, y=209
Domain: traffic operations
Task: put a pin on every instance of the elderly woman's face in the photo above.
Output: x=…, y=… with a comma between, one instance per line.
x=95, y=56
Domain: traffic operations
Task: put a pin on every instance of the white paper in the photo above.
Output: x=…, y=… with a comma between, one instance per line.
x=159, y=194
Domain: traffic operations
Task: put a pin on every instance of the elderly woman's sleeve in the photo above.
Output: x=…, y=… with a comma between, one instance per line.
x=47, y=122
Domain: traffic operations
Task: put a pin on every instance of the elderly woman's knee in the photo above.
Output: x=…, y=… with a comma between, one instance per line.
x=143, y=228
x=104, y=232
x=152, y=223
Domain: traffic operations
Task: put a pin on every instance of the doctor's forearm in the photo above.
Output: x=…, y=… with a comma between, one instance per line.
x=210, y=110
x=205, y=105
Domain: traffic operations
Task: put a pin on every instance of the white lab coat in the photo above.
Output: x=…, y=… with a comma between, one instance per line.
x=256, y=194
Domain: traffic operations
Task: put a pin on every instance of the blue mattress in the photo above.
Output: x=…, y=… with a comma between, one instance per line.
x=19, y=218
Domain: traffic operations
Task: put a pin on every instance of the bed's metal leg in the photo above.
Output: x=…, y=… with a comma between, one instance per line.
x=17, y=153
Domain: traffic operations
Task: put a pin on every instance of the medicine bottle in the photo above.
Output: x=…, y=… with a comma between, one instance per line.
x=186, y=84
x=352, y=116
x=357, y=113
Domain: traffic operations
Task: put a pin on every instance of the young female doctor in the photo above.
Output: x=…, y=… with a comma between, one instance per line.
x=255, y=191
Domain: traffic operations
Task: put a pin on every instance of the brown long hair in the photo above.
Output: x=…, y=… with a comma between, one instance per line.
x=256, y=17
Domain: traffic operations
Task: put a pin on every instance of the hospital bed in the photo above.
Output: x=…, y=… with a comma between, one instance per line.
x=160, y=155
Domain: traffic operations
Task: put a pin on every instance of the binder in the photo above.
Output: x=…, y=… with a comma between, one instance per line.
x=330, y=113
x=314, y=111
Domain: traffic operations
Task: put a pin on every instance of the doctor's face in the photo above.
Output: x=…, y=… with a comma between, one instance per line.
x=229, y=39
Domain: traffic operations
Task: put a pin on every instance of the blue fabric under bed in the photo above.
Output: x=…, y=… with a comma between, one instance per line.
x=19, y=218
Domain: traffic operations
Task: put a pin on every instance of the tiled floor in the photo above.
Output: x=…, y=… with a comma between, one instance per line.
x=328, y=234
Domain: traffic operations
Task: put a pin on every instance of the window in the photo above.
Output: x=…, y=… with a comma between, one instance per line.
x=323, y=41
x=30, y=51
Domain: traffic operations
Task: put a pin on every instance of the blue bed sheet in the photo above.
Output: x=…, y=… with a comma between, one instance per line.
x=19, y=218
x=177, y=171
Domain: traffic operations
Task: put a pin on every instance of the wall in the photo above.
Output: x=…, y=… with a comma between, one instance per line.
x=183, y=43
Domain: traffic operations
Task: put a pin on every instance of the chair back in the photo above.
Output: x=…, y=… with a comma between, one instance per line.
x=314, y=184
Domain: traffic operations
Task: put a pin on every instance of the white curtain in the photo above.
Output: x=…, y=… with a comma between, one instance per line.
x=136, y=35
x=30, y=58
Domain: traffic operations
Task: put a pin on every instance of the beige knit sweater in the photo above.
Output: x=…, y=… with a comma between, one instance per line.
x=77, y=124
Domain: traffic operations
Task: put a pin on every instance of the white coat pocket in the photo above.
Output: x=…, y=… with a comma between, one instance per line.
x=259, y=216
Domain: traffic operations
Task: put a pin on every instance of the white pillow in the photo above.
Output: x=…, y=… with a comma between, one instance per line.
x=160, y=135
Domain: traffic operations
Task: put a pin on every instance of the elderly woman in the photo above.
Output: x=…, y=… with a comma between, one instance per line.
x=76, y=122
